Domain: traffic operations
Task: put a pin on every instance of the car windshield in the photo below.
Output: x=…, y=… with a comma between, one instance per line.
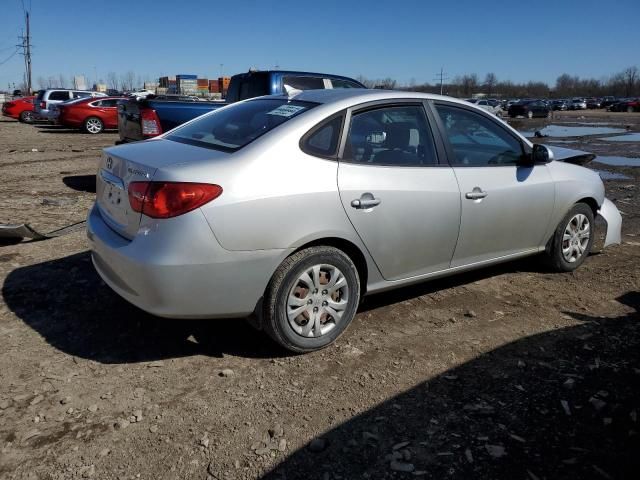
x=233, y=127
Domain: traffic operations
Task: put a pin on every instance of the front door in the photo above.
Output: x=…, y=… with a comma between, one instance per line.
x=506, y=207
x=404, y=205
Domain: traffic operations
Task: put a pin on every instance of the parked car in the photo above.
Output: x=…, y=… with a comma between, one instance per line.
x=20, y=109
x=558, y=104
x=487, y=105
x=608, y=101
x=577, y=104
x=93, y=115
x=54, y=110
x=46, y=98
x=293, y=208
x=139, y=119
x=530, y=109
x=593, y=103
x=626, y=105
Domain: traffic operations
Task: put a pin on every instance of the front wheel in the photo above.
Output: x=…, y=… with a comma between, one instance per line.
x=93, y=125
x=572, y=240
x=311, y=299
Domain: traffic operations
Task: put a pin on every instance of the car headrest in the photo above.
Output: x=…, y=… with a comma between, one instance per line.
x=398, y=135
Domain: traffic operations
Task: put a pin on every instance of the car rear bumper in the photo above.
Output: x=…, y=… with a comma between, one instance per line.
x=176, y=268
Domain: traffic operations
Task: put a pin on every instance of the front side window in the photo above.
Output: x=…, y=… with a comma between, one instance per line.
x=233, y=127
x=476, y=140
x=394, y=136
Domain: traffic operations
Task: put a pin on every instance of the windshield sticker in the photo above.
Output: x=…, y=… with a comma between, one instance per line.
x=286, y=110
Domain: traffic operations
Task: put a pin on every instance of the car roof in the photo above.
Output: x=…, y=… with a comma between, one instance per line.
x=361, y=95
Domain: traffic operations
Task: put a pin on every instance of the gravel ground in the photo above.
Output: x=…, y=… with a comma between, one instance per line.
x=509, y=372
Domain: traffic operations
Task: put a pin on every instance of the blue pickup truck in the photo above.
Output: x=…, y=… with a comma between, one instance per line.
x=139, y=119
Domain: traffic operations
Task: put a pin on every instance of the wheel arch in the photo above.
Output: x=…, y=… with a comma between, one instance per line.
x=350, y=249
x=593, y=204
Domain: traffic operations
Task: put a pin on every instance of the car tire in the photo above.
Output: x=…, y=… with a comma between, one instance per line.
x=93, y=125
x=572, y=239
x=297, y=310
x=26, y=117
x=529, y=114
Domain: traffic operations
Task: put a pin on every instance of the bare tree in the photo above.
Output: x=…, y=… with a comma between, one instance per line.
x=42, y=82
x=127, y=80
x=112, y=80
x=490, y=81
x=469, y=83
x=62, y=83
x=630, y=78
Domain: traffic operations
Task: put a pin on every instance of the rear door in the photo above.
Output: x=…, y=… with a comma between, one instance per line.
x=108, y=111
x=403, y=203
x=506, y=207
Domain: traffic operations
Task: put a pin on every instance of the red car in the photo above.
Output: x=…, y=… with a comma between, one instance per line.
x=93, y=115
x=20, y=109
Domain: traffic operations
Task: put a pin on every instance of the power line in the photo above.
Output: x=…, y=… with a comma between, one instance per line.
x=9, y=57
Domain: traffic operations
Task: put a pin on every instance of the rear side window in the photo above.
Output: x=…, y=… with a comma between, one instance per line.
x=59, y=95
x=81, y=94
x=235, y=126
x=393, y=136
x=322, y=141
x=254, y=85
x=106, y=103
x=302, y=83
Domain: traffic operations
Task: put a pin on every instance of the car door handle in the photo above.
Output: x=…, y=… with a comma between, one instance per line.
x=476, y=194
x=365, y=201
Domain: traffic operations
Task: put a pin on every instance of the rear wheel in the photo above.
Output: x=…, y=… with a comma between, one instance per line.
x=93, y=125
x=26, y=116
x=311, y=299
x=572, y=240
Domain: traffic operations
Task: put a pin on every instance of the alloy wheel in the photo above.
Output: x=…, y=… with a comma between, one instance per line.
x=317, y=300
x=576, y=238
x=93, y=125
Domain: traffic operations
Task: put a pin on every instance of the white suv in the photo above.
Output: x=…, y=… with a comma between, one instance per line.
x=47, y=98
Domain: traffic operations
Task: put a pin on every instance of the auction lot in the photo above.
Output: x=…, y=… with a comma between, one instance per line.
x=509, y=372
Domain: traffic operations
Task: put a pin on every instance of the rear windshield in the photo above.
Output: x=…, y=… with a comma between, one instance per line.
x=232, y=128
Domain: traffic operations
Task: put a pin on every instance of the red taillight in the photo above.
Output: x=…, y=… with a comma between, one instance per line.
x=43, y=105
x=170, y=199
x=150, y=122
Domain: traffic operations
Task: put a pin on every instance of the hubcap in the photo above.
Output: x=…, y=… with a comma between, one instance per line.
x=93, y=126
x=576, y=238
x=317, y=300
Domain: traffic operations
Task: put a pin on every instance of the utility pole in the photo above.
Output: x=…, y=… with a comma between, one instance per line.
x=441, y=77
x=26, y=52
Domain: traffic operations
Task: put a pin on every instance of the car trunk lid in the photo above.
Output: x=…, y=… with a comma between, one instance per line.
x=138, y=162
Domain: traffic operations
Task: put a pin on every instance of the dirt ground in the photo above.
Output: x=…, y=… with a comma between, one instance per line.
x=509, y=372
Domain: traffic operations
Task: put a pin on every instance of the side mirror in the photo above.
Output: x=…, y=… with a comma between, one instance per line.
x=541, y=154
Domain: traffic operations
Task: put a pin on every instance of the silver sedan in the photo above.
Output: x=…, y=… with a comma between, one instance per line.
x=293, y=208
